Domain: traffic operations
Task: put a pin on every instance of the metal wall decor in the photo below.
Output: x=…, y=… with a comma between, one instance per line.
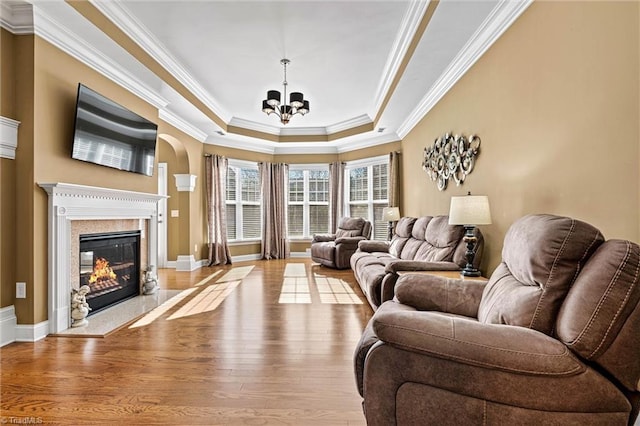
x=450, y=157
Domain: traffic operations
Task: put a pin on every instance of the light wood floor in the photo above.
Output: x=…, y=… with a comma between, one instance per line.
x=231, y=353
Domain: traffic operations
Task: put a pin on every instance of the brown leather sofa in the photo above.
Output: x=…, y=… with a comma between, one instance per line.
x=552, y=338
x=418, y=244
x=335, y=250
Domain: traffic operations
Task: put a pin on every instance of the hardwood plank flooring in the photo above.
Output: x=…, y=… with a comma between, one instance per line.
x=265, y=342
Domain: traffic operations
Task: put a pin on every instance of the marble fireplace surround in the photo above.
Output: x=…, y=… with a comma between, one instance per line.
x=69, y=203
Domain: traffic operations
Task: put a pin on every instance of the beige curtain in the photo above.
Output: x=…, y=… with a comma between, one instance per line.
x=274, y=179
x=336, y=194
x=393, y=182
x=216, y=179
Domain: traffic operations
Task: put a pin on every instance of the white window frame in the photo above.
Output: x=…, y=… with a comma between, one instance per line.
x=368, y=163
x=237, y=165
x=306, y=225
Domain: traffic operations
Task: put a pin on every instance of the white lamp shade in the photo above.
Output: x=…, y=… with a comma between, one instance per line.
x=470, y=210
x=391, y=214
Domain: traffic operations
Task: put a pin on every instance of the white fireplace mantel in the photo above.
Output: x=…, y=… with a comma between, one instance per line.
x=69, y=202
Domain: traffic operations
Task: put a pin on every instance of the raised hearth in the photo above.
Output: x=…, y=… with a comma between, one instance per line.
x=68, y=204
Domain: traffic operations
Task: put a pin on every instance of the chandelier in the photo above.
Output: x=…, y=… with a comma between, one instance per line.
x=297, y=104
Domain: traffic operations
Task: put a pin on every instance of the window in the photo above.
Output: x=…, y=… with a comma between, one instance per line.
x=308, y=201
x=243, y=201
x=366, y=189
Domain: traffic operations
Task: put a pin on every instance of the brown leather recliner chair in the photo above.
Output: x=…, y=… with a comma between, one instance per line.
x=335, y=250
x=552, y=338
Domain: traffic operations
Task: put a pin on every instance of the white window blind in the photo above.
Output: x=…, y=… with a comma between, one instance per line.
x=244, y=221
x=367, y=191
x=308, y=201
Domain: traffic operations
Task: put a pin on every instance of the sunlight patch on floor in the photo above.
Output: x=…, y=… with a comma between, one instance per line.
x=207, y=279
x=295, y=290
x=295, y=270
x=160, y=310
x=236, y=274
x=335, y=291
x=206, y=301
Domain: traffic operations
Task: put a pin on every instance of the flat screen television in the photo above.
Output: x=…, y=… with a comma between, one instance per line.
x=109, y=134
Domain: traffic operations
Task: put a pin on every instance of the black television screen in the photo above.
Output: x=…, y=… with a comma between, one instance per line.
x=110, y=135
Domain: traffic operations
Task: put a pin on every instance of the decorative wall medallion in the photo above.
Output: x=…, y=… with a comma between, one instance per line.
x=450, y=157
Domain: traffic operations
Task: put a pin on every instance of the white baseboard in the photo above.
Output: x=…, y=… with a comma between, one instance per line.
x=32, y=333
x=173, y=264
x=245, y=257
x=301, y=253
x=187, y=263
x=8, y=323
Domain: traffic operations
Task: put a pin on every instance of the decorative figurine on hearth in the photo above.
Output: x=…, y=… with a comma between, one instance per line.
x=79, y=306
x=150, y=284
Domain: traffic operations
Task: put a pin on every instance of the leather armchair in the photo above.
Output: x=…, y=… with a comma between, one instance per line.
x=552, y=338
x=335, y=250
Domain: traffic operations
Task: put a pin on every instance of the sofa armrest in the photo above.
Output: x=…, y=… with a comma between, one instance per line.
x=419, y=265
x=371, y=246
x=512, y=349
x=350, y=241
x=434, y=293
x=322, y=238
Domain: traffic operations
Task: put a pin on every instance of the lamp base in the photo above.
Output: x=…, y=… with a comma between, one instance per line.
x=470, y=272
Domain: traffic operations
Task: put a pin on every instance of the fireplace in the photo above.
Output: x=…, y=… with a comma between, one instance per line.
x=110, y=266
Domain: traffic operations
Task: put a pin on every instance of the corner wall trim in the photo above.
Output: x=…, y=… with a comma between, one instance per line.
x=32, y=332
x=8, y=323
x=187, y=263
x=8, y=137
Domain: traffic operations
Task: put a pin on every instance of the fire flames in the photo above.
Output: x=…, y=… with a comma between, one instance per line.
x=102, y=271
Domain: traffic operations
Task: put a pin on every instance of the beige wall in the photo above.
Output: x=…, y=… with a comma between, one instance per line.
x=7, y=173
x=556, y=103
x=45, y=103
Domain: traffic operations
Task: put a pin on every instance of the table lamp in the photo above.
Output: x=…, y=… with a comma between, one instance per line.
x=470, y=210
x=391, y=214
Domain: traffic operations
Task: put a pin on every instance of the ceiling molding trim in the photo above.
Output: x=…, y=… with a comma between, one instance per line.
x=119, y=15
x=263, y=147
x=284, y=132
x=252, y=125
x=500, y=19
x=304, y=149
x=182, y=125
x=367, y=142
x=16, y=18
x=303, y=131
x=410, y=24
x=72, y=44
x=349, y=124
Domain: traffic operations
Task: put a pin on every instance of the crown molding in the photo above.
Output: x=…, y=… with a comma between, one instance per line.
x=17, y=18
x=408, y=28
x=70, y=43
x=245, y=144
x=349, y=124
x=500, y=19
x=353, y=145
x=121, y=17
x=181, y=124
x=255, y=126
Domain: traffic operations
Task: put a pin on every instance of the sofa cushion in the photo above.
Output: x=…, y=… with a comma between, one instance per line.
x=602, y=302
x=410, y=249
x=420, y=227
x=350, y=227
x=396, y=246
x=404, y=226
x=541, y=257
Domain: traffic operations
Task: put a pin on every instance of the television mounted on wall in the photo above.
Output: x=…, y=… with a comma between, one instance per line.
x=109, y=134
